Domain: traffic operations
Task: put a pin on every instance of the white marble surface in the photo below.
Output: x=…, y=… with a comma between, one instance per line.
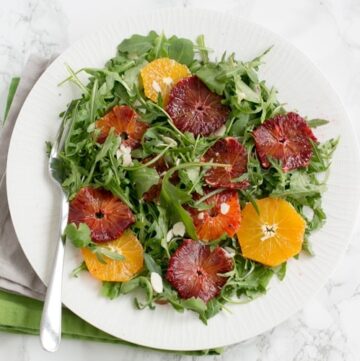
x=329, y=32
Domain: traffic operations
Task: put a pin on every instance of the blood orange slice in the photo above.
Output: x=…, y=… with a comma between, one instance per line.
x=273, y=235
x=195, y=109
x=223, y=217
x=106, y=215
x=125, y=122
x=286, y=138
x=227, y=151
x=195, y=270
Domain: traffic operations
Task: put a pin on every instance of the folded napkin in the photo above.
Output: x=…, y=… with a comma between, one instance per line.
x=20, y=309
x=16, y=273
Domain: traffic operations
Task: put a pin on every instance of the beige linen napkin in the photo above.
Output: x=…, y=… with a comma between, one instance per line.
x=16, y=273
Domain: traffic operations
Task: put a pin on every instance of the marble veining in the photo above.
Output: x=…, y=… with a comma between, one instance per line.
x=328, y=31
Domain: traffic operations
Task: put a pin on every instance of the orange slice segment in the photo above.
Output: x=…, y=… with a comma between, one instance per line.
x=160, y=76
x=117, y=270
x=272, y=236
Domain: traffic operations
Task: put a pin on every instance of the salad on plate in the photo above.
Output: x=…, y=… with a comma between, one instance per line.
x=186, y=177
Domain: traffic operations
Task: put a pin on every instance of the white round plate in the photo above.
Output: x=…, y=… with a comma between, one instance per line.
x=34, y=202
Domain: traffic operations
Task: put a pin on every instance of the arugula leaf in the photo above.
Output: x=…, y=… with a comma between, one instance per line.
x=306, y=247
x=143, y=179
x=110, y=290
x=194, y=304
x=257, y=61
x=171, y=199
x=181, y=50
x=213, y=307
x=239, y=125
x=300, y=185
x=243, y=91
x=191, y=178
x=280, y=271
x=75, y=272
x=145, y=284
x=160, y=227
x=113, y=290
x=138, y=44
x=159, y=50
x=322, y=155
x=129, y=286
x=79, y=236
x=151, y=265
x=318, y=219
x=314, y=123
x=103, y=251
x=110, y=146
x=204, y=53
x=131, y=76
x=209, y=75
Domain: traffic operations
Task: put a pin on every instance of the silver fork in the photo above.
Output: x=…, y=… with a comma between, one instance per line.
x=50, y=326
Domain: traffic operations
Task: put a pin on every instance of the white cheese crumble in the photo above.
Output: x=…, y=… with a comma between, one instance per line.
x=167, y=80
x=125, y=149
x=156, y=86
x=221, y=131
x=156, y=282
x=224, y=208
x=169, y=236
x=230, y=251
x=127, y=160
x=201, y=215
x=124, y=153
x=179, y=229
x=269, y=230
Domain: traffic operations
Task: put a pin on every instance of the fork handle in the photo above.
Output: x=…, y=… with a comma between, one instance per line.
x=50, y=326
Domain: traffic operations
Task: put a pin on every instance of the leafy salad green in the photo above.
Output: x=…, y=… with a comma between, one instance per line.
x=85, y=162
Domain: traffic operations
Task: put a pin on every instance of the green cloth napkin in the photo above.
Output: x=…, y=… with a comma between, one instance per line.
x=20, y=314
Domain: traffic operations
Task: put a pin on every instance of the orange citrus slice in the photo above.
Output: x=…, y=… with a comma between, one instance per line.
x=160, y=76
x=272, y=236
x=117, y=270
x=223, y=217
